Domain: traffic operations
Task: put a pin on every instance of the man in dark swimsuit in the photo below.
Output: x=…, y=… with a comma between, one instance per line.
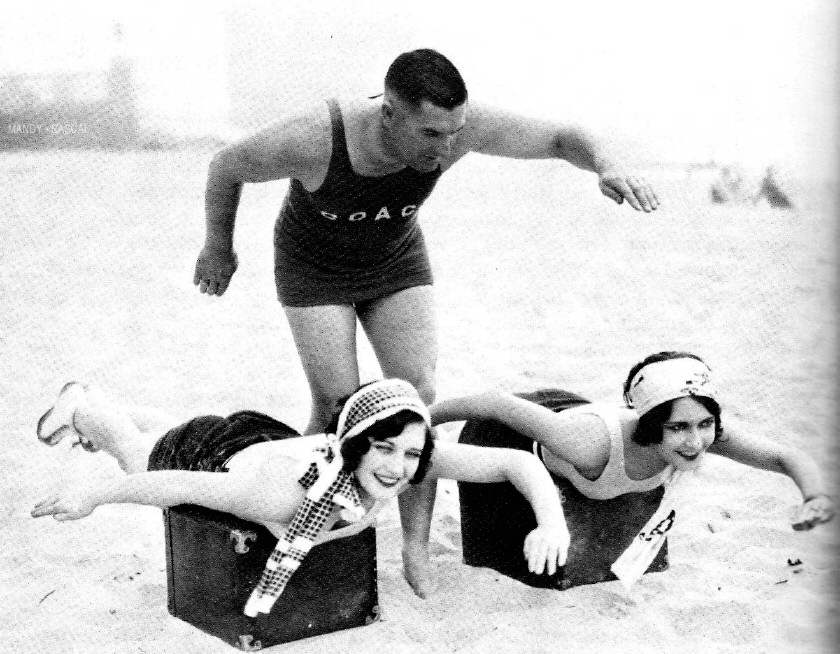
x=347, y=242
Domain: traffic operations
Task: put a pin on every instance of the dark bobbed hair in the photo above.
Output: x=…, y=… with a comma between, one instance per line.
x=353, y=449
x=426, y=74
x=649, y=431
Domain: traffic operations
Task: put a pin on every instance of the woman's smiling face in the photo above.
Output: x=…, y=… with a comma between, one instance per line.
x=687, y=434
x=389, y=464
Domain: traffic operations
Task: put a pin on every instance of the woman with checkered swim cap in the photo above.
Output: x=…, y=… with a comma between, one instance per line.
x=671, y=421
x=305, y=489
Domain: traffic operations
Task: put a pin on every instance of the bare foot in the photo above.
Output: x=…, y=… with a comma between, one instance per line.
x=58, y=421
x=417, y=570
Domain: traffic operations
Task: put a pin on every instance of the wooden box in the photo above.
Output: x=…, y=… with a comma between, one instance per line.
x=495, y=518
x=214, y=560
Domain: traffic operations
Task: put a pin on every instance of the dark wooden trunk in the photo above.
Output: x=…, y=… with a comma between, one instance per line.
x=495, y=518
x=214, y=560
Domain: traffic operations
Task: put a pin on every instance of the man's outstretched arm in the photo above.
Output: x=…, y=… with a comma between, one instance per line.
x=506, y=134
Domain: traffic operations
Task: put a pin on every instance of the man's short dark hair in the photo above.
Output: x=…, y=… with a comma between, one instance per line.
x=426, y=74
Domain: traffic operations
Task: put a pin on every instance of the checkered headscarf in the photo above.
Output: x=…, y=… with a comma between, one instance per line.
x=328, y=485
x=377, y=401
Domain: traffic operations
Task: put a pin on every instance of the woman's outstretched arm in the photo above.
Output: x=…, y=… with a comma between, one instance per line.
x=802, y=469
x=582, y=440
x=267, y=494
x=160, y=488
x=546, y=547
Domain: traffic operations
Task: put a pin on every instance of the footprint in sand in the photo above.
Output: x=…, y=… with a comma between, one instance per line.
x=723, y=622
x=616, y=606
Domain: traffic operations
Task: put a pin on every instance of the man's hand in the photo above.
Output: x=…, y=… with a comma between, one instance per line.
x=620, y=185
x=815, y=510
x=214, y=268
x=546, y=549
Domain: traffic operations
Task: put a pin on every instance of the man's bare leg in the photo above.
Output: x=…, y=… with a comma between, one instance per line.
x=403, y=333
x=325, y=337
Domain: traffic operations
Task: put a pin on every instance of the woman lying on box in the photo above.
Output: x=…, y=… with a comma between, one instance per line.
x=298, y=486
x=671, y=421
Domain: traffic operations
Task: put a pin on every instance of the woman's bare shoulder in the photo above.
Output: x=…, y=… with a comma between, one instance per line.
x=279, y=455
x=267, y=474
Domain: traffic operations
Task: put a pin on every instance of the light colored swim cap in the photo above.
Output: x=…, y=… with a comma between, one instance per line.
x=667, y=380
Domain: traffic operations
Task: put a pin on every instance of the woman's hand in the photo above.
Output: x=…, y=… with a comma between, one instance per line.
x=70, y=503
x=816, y=509
x=546, y=549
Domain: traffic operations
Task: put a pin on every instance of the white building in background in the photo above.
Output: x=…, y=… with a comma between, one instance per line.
x=193, y=72
x=124, y=78
x=72, y=105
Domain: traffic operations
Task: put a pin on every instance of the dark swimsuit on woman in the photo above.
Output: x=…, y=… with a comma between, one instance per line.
x=207, y=442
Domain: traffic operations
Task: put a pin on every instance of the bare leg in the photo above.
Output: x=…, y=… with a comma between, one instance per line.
x=403, y=332
x=325, y=337
x=150, y=419
x=110, y=427
x=128, y=433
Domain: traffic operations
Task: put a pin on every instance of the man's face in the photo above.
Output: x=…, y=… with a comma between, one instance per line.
x=421, y=137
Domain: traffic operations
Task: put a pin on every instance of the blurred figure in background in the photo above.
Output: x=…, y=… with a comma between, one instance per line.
x=770, y=188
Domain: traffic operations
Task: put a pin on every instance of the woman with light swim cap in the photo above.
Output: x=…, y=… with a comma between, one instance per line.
x=671, y=421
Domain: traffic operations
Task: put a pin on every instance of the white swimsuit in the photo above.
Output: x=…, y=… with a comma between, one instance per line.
x=613, y=481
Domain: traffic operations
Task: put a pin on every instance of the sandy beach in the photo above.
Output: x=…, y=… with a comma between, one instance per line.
x=540, y=281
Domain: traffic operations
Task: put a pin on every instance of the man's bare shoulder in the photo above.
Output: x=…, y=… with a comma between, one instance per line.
x=296, y=144
x=304, y=130
x=356, y=108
